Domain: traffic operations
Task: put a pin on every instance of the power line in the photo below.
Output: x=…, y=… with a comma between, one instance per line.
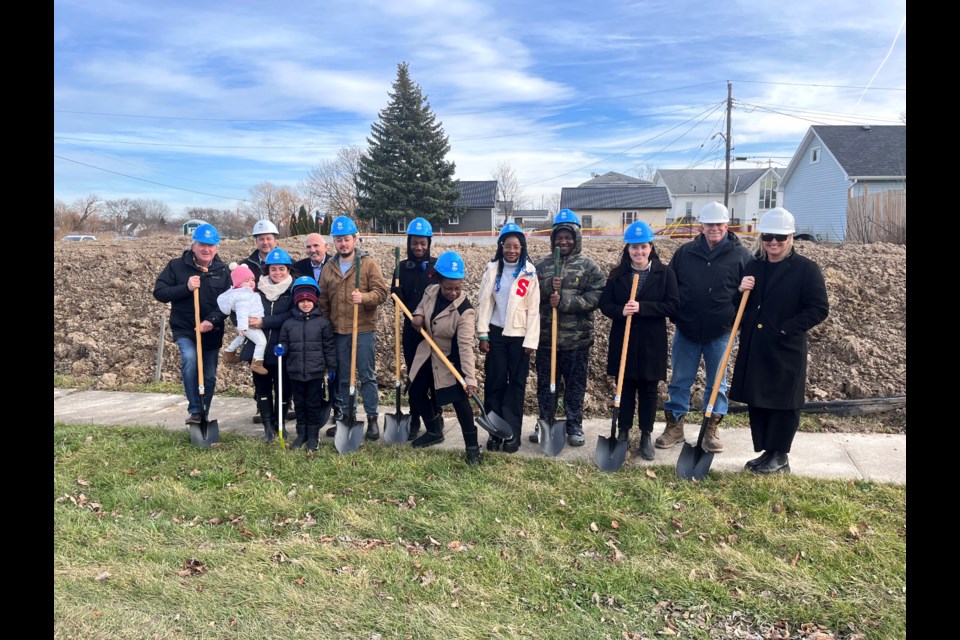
x=830, y=86
x=169, y=186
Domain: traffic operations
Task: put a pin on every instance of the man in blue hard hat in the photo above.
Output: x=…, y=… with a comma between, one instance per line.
x=199, y=268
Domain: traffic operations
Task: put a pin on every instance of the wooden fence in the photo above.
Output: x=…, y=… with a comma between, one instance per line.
x=877, y=217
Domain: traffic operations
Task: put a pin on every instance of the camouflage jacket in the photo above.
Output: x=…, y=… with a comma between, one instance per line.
x=583, y=282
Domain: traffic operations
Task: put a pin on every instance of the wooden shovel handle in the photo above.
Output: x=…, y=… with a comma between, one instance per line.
x=396, y=313
x=426, y=336
x=726, y=355
x=353, y=345
x=196, y=319
x=626, y=341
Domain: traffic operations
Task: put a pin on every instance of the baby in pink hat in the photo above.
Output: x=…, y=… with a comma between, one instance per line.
x=246, y=303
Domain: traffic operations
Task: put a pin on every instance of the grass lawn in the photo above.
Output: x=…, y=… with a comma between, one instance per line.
x=155, y=538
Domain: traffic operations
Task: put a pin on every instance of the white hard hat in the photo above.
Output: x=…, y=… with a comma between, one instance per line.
x=714, y=212
x=777, y=220
x=264, y=226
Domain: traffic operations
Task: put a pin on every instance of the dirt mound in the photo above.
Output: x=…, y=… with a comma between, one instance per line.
x=107, y=323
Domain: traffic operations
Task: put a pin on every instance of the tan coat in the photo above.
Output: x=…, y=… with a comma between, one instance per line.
x=335, y=290
x=523, y=305
x=442, y=329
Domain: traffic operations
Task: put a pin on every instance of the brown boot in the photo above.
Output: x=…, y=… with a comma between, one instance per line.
x=672, y=434
x=257, y=367
x=231, y=357
x=711, y=439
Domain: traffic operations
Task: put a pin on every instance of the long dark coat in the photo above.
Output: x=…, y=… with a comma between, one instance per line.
x=771, y=367
x=647, y=350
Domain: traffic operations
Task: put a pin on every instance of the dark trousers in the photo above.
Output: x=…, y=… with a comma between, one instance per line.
x=638, y=396
x=505, y=369
x=773, y=429
x=423, y=399
x=307, y=400
x=265, y=390
x=572, y=370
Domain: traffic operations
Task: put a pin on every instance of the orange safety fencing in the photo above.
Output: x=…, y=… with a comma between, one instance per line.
x=672, y=230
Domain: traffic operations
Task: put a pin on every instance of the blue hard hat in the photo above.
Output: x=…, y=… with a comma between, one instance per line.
x=638, y=232
x=419, y=227
x=305, y=281
x=343, y=226
x=510, y=227
x=568, y=216
x=450, y=265
x=278, y=256
x=207, y=234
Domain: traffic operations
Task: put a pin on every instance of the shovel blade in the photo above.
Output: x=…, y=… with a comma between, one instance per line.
x=348, y=436
x=205, y=434
x=610, y=453
x=694, y=462
x=552, y=436
x=495, y=425
x=396, y=428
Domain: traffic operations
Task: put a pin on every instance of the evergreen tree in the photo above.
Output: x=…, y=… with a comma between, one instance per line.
x=404, y=174
x=327, y=223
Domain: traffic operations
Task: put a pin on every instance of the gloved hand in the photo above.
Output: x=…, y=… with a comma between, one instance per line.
x=331, y=376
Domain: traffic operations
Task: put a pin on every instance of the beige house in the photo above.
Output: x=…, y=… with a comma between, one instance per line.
x=609, y=203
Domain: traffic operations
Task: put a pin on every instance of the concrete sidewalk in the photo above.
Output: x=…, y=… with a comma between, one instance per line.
x=873, y=457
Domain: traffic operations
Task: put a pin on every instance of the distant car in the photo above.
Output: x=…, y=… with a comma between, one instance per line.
x=78, y=238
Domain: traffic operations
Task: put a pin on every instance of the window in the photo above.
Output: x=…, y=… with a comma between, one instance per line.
x=688, y=209
x=628, y=217
x=815, y=155
x=768, y=192
x=402, y=225
x=453, y=220
x=587, y=221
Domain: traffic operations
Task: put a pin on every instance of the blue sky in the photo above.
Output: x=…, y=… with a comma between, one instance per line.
x=193, y=103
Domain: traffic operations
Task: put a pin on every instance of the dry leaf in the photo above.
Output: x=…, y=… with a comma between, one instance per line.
x=651, y=473
x=291, y=493
x=853, y=530
x=733, y=538
x=195, y=473
x=300, y=580
x=82, y=482
x=129, y=472
x=214, y=521
x=563, y=502
x=793, y=562
x=427, y=578
x=103, y=576
x=677, y=524
x=594, y=527
x=88, y=440
x=777, y=508
x=614, y=524
x=455, y=604
x=95, y=613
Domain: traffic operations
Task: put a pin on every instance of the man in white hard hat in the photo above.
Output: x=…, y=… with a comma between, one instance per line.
x=265, y=235
x=708, y=269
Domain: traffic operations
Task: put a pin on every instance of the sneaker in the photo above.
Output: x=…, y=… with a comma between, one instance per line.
x=575, y=439
x=193, y=419
x=535, y=436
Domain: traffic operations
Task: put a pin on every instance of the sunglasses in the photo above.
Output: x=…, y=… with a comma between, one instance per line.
x=770, y=237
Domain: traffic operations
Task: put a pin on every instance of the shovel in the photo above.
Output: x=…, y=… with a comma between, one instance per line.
x=278, y=351
x=396, y=426
x=326, y=403
x=207, y=432
x=611, y=452
x=489, y=422
x=349, y=433
x=552, y=432
x=694, y=461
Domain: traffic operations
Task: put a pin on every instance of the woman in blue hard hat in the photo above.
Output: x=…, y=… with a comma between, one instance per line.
x=657, y=298
x=788, y=297
x=416, y=274
x=508, y=326
x=274, y=288
x=448, y=317
x=198, y=268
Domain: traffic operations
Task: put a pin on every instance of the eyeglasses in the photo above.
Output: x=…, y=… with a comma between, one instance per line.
x=770, y=237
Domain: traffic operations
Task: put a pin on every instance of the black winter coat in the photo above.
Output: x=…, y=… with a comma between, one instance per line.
x=274, y=315
x=707, y=287
x=171, y=286
x=788, y=299
x=259, y=268
x=311, y=350
x=304, y=268
x=415, y=277
x=647, y=350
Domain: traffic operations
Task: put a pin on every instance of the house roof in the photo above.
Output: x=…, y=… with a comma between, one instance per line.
x=867, y=151
x=477, y=193
x=711, y=181
x=585, y=198
x=612, y=178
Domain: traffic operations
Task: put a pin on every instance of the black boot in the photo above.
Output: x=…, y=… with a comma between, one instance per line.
x=511, y=445
x=434, y=434
x=473, y=455
x=759, y=460
x=647, y=451
x=494, y=443
x=267, y=418
x=301, y=437
x=776, y=463
x=313, y=437
x=623, y=433
x=373, y=429
x=414, y=427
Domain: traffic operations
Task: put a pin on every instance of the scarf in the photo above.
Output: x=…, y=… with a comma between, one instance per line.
x=273, y=291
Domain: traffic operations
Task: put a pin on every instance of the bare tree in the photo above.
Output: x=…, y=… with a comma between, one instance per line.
x=230, y=224
x=61, y=216
x=85, y=213
x=117, y=213
x=508, y=187
x=646, y=171
x=270, y=202
x=148, y=216
x=332, y=184
x=552, y=203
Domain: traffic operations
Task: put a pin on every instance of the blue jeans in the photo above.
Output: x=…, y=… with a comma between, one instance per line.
x=366, y=370
x=684, y=362
x=191, y=377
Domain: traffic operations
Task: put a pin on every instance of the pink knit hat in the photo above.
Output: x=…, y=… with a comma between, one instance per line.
x=240, y=274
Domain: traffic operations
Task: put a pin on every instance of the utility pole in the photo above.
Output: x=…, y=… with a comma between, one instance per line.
x=726, y=182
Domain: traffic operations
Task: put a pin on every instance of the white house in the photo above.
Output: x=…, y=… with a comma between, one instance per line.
x=752, y=191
